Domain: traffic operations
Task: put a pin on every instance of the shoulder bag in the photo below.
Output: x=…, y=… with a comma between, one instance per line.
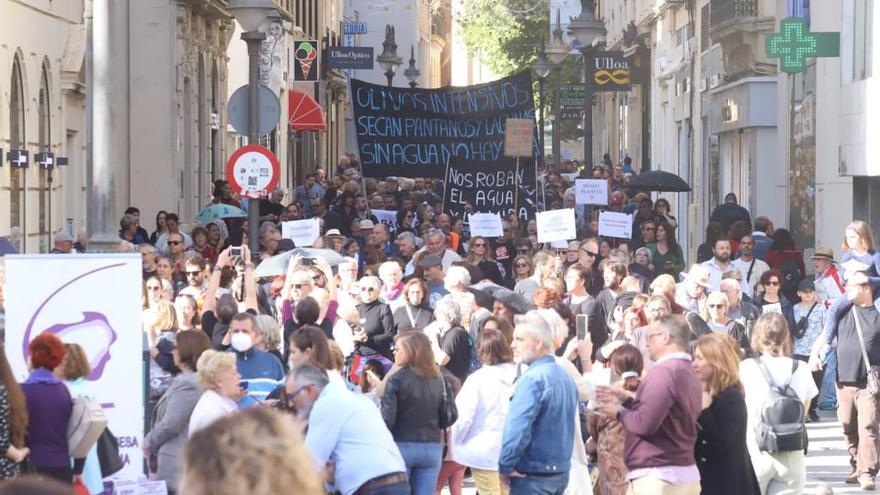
x=873, y=371
x=448, y=410
x=801, y=328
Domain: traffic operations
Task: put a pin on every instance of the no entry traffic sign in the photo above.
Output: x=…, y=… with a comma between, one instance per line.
x=253, y=171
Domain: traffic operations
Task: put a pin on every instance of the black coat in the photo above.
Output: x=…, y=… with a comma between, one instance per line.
x=422, y=315
x=721, y=453
x=787, y=309
x=377, y=321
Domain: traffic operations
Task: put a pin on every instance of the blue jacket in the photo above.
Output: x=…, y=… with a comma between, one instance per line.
x=260, y=370
x=539, y=429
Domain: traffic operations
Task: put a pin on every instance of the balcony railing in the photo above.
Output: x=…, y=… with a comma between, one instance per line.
x=722, y=11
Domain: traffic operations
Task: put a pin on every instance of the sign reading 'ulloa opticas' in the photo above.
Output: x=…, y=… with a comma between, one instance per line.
x=413, y=132
x=611, y=72
x=350, y=57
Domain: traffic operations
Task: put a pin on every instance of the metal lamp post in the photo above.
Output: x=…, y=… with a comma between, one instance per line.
x=252, y=14
x=586, y=28
x=389, y=60
x=412, y=73
x=556, y=54
x=542, y=69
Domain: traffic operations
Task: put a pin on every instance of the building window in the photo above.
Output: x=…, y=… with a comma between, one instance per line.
x=857, y=38
x=45, y=143
x=16, y=141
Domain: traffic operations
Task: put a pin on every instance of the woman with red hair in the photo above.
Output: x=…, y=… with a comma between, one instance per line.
x=49, y=407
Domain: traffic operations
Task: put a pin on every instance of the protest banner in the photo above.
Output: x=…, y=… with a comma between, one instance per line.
x=387, y=217
x=485, y=225
x=556, y=225
x=93, y=300
x=302, y=232
x=591, y=191
x=412, y=132
x=472, y=187
x=612, y=224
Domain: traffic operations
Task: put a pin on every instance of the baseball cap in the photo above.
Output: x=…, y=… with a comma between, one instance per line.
x=806, y=284
x=366, y=224
x=63, y=237
x=430, y=260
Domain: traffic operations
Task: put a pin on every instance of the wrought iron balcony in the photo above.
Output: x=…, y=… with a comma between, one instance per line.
x=722, y=11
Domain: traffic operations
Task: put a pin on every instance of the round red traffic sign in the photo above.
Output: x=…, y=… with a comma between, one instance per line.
x=253, y=171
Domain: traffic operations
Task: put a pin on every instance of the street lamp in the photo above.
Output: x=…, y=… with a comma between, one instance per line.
x=252, y=14
x=586, y=28
x=412, y=73
x=556, y=54
x=542, y=69
x=389, y=60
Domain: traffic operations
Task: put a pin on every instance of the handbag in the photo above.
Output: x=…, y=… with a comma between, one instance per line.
x=801, y=328
x=107, y=447
x=873, y=371
x=87, y=422
x=448, y=411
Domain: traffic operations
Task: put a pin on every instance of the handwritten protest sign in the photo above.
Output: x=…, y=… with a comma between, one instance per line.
x=301, y=232
x=556, y=225
x=471, y=187
x=612, y=224
x=591, y=191
x=518, y=137
x=485, y=224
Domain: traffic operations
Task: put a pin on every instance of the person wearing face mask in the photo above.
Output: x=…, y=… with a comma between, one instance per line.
x=377, y=328
x=261, y=372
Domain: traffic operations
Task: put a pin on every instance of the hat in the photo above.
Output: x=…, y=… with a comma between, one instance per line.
x=430, y=260
x=285, y=245
x=333, y=233
x=698, y=274
x=806, y=285
x=823, y=252
x=63, y=237
x=366, y=224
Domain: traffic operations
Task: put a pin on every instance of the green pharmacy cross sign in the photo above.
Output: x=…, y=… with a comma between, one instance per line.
x=794, y=44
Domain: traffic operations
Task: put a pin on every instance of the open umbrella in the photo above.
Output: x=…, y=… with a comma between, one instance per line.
x=221, y=210
x=487, y=292
x=277, y=265
x=658, y=180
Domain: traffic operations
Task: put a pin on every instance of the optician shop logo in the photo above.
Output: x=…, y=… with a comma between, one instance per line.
x=93, y=331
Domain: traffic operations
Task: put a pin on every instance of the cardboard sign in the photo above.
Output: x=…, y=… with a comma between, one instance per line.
x=591, y=191
x=772, y=308
x=495, y=188
x=556, y=225
x=485, y=225
x=302, y=232
x=518, y=137
x=387, y=217
x=612, y=224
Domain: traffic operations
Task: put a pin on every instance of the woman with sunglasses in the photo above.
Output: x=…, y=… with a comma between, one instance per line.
x=714, y=313
x=405, y=220
x=480, y=256
x=377, y=329
x=771, y=300
x=416, y=314
x=522, y=268
x=661, y=211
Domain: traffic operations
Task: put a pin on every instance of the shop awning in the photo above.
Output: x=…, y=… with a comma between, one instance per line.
x=305, y=113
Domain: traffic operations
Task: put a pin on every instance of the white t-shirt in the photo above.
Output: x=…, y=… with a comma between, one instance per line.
x=757, y=271
x=756, y=388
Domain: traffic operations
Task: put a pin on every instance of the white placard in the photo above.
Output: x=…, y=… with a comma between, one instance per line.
x=93, y=300
x=612, y=224
x=388, y=217
x=556, y=225
x=591, y=191
x=559, y=244
x=485, y=224
x=302, y=232
x=772, y=308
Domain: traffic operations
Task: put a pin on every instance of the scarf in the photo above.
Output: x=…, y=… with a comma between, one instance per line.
x=391, y=294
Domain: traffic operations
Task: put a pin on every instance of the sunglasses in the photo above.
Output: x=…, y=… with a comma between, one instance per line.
x=591, y=253
x=298, y=286
x=368, y=289
x=480, y=244
x=715, y=306
x=192, y=274
x=772, y=283
x=173, y=243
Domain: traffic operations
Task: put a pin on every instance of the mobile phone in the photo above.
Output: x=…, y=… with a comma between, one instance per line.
x=581, y=327
x=235, y=251
x=243, y=385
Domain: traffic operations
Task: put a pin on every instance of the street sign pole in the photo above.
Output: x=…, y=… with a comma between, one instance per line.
x=253, y=40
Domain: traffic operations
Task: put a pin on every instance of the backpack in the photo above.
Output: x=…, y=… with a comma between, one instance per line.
x=781, y=425
x=87, y=422
x=791, y=277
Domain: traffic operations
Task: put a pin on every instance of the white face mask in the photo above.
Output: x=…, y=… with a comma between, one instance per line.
x=241, y=341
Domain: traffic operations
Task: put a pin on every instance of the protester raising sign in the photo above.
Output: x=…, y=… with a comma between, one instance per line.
x=612, y=224
x=485, y=224
x=556, y=225
x=387, y=217
x=301, y=232
x=413, y=132
x=474, y=187
x=591, y=191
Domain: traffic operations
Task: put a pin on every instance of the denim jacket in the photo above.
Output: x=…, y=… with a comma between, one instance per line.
x=539, y=429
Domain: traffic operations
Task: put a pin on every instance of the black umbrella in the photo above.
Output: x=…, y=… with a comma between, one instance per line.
x=658, y=180
x=487, y=292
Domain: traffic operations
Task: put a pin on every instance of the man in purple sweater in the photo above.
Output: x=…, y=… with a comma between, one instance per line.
x=661, y=420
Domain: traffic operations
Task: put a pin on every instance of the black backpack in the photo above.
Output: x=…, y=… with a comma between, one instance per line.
x=791, y=277
x=781, y=425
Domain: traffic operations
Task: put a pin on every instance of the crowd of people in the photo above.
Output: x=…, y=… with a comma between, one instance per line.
x=401, y=359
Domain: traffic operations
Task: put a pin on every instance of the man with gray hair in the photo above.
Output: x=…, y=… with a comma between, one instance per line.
x=435, y=243
x=661, y=421
x=271, y=208
x=538, y=437
x=346, y=434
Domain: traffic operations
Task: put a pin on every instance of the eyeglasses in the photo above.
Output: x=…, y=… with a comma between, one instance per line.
x=772, y=283
x=173, y=243
x=298, y=286
x=368, y=289
x=715, y=306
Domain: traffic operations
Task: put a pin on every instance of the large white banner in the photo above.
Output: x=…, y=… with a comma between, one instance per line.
x=93, y=300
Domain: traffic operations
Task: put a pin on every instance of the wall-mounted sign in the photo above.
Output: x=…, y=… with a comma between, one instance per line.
x=571, y=113
x=305, y=63
x=354, y=28
x=611, y=72
x=350, y=57
x=571, y=95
